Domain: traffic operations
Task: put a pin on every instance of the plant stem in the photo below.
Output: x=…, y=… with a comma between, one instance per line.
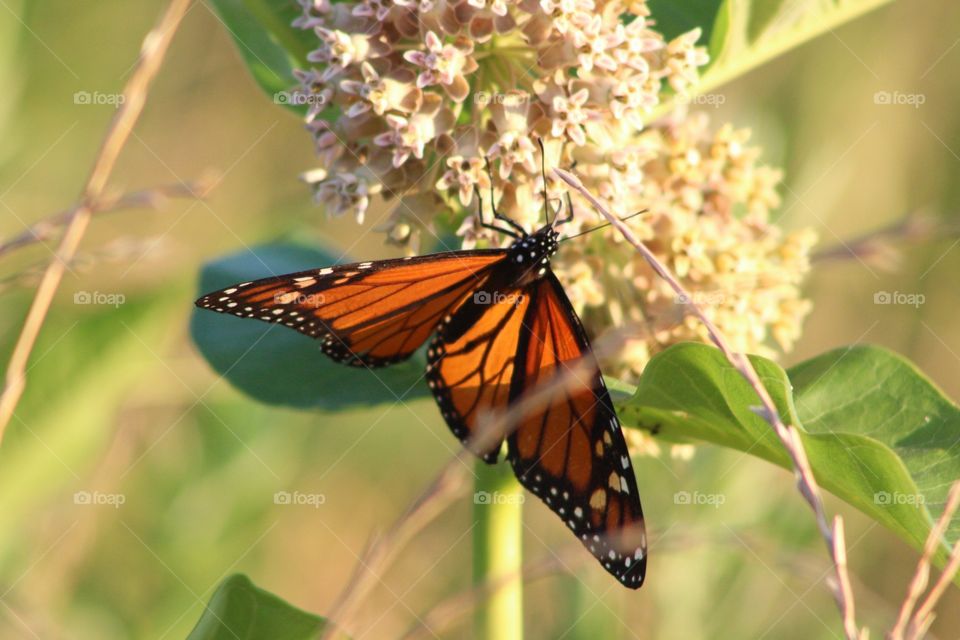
x=788, y=435
x=152, y=53
x=498, y=552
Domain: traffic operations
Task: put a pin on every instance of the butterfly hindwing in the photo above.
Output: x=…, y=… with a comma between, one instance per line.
x=572, y=453
x=369, y=313
x=470, y=361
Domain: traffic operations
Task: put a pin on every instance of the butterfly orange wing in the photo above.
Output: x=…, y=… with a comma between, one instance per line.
x=369, y=313
x=470, y=362
x=572, y=453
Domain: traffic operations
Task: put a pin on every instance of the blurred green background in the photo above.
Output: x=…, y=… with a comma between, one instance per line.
x=119, y=403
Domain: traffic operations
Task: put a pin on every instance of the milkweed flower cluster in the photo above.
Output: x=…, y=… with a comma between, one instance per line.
x=410, y=99
x=707, y=212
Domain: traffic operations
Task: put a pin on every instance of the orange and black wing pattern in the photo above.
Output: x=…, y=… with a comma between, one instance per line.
x=571, y=453
x=470, y=362
x=370, y=314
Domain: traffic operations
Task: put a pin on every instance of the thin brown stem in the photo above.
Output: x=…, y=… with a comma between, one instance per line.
x=788, y=435
x=449, y=484
x=922, y=574
x=442, y=615
x=924, y=616
x=152, y=198
x=882, y=246
x=152, y=53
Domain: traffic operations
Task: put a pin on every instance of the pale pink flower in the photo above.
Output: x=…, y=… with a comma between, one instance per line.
x=392, y=93
x=409, y=135
x=464, y=174
x=444, y=64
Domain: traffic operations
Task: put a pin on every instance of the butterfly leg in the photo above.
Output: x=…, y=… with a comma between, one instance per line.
x=493, y=206
x=508, y=232
x=569, y=211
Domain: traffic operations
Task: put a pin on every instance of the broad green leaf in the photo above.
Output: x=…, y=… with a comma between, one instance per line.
x=895, y=404
x=748, y=33
x=239, y=610
x=741, y=35
x=268, y=43
x=676, y=18
x=278, y=365
x=878, y=434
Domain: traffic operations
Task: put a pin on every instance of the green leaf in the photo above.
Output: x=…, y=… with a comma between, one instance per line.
x=749, y=33
x=268, y=44
x=894, y=404
x=239, y=610
x=278, y=365
x=676, y=18
x=878, y=433
x=743, y=34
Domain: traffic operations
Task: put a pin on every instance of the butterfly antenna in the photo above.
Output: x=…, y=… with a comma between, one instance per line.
x=543, y=172
x=601, y=226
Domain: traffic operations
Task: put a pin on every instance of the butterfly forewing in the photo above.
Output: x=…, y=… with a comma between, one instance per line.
x=571, y=453
x=367, y=314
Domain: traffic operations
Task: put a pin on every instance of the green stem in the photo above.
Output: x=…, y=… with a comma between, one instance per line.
x=497, y=552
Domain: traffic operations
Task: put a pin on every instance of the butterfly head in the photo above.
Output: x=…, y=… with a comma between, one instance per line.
x=534, y=251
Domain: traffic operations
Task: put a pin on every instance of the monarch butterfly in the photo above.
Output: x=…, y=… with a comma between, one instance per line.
x=501, y=324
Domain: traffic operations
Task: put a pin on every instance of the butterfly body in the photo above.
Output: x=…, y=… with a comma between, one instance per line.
x=531, y=254
x=498, y=327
